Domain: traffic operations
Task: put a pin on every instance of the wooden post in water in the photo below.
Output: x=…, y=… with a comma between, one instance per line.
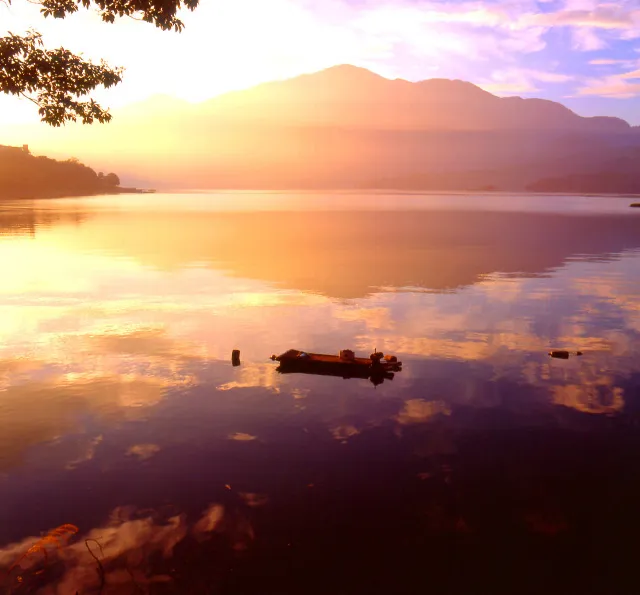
x=235, y=357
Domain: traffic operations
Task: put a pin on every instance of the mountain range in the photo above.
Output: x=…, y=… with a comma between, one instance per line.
x=348, y=128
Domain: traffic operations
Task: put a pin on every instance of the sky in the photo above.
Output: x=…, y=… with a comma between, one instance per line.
x=583, y=53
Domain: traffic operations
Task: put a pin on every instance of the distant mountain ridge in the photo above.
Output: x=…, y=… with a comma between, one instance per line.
x=348, y=128
x=355, y=97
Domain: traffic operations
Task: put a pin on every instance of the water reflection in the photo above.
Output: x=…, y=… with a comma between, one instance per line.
x=376, y=377
x=353, y=254
x=117, y=390
x=117, y=557
x=25, y=217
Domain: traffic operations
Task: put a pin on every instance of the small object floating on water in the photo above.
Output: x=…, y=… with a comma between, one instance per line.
x=377, y=367
x=635, y=204
x=562, y=354
x=235, y=357
x=346, y=358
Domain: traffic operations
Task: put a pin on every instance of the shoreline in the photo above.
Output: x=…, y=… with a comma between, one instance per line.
x=391, y=191
x=332, y=191
x=114, y=192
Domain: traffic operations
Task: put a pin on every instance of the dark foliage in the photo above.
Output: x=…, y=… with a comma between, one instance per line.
x=57, y=80
x=161, y=13
x=24, y=176
x=111, y=180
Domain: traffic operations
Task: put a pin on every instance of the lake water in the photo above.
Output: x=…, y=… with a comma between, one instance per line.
x=484, y=466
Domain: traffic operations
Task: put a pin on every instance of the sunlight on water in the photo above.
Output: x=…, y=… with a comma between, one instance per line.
x=118, y=318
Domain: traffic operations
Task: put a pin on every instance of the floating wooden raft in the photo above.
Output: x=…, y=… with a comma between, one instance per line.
x=377, y=368
x=346, y=359
x=563, y=354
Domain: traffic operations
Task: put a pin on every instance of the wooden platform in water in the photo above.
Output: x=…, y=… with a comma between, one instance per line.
x=294, y=356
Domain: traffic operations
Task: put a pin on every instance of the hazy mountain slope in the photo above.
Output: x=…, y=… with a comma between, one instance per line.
x=347, y=96
x=346, y=127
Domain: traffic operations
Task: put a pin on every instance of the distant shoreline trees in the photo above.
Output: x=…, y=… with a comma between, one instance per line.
x=23, y=175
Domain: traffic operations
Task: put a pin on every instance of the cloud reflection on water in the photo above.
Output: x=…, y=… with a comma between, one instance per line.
x=116, y=380
x=126, y=547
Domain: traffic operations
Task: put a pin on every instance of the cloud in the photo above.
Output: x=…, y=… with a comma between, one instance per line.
x=470, y=30
x=54, y=407
x=242, y=437
x=616, y=89
x=421, y=411
x=509, y=88
x=609, y=62
x=263, y=375
x=586, y=18
x=375, y=317
x=209, y=521
x=605, y=16
x=597, y=398
x=143, y=451
x=553, y=77
x=344, y=432
x=128, y=547
x=513, y=81
x=253, y=499
x=587, y=40
x=285, y=38
x=615, y=86
x=88, y=453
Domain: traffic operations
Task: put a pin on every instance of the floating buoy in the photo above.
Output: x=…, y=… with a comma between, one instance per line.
x=235, y=357
x=562, y=354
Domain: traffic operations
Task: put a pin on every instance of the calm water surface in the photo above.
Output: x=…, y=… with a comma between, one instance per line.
x=483, y=467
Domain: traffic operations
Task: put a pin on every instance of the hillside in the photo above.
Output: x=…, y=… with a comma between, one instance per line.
x=23, y=175
x=346, y=127
x=347, y=96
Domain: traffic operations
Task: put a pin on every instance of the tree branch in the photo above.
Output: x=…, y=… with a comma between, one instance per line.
x=58, y=80
x=54, y=80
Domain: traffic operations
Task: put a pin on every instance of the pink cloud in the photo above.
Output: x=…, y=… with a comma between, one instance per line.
x=616, y=86
x=607, y=61
x=586, y=40
x=551, y=77
x=515, y=81
x=603, y=17
x=509, y=88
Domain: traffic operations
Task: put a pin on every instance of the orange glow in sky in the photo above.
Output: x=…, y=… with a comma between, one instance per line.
x=220, y=49
x=579, y=52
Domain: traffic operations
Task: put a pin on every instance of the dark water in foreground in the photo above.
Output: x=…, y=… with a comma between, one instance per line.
x=483, y=467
